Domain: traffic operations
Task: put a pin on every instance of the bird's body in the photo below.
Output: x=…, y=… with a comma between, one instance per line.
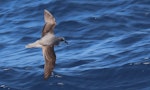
x=47, y=43
x=47, y=40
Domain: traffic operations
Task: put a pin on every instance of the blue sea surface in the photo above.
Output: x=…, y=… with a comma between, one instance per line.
x=109, y=45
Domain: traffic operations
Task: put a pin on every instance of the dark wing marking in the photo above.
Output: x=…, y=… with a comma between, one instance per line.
x=50, y=58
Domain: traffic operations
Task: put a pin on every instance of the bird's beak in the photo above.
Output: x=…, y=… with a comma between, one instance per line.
x=66, y=42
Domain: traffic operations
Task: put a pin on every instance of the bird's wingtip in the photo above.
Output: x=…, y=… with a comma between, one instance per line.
x=48, y=17
x=45, y=10
x=46, y=76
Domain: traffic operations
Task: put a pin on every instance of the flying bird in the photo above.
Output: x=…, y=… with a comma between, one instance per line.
x=47, y=42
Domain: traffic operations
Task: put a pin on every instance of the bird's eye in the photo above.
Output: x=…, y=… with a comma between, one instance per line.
x=62, y=39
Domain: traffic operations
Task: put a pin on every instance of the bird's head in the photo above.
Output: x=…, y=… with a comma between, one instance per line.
x=63, y=39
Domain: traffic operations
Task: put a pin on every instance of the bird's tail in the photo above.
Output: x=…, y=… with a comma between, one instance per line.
x=33, y=45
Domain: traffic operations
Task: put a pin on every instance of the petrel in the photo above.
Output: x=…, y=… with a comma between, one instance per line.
x=47, y=42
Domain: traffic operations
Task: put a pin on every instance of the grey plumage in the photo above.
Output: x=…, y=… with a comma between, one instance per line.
x=47, y=42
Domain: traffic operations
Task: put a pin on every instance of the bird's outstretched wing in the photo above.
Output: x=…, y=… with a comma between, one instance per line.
x=48, y=51
x=49, y=23
x=50, y=58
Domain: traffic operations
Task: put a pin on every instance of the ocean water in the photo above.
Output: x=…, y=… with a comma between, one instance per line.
x=109, y=45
